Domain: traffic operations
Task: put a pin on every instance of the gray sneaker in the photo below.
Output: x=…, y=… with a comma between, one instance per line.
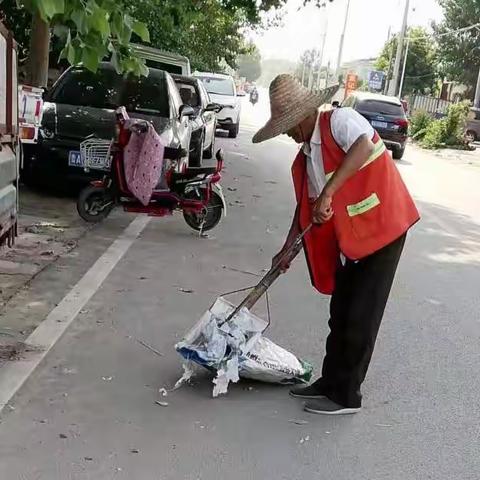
x=312, y=392
x=325, y=406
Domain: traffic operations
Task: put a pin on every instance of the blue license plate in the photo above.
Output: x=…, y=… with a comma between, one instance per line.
x=75, y=159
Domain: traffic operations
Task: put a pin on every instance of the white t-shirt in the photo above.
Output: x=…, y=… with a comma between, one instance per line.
x=347, y=126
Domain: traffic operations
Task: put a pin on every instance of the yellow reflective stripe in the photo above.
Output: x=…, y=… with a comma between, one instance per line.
x=364, y=206
x=377, y=152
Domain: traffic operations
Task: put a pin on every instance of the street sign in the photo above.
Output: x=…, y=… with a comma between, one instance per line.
x=375, y=80
x=351, y=83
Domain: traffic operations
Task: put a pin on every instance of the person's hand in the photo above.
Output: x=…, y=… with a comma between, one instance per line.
x=284, y=260
x=322, y=208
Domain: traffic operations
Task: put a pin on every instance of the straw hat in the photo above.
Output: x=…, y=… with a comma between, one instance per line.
x=290, y=103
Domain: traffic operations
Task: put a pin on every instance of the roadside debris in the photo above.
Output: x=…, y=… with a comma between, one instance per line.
x=162, y=404
x=163, y=392
x=304, y=439
x=107, y=379
x=186, y=290
x=62, y=435
x=188, y=372
x=149, y=347
x=233, y=269
x=134, y=450
x=47, y=253
x=237, y=348
x=298, y=422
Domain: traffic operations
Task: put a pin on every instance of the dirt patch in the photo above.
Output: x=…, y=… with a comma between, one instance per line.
x=16, y=351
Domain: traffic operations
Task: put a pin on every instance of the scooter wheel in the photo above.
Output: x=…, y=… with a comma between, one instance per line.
x=210, y=218
x=94, y=204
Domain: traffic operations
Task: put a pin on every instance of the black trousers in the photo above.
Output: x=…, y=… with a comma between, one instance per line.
x=356, y=310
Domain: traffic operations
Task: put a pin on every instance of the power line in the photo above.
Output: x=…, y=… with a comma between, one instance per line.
x=450, y=32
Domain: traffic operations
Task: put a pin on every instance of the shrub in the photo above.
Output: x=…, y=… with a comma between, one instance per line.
x=419, y=123
x=456, y=122
x=449, y=131
x=435, y=134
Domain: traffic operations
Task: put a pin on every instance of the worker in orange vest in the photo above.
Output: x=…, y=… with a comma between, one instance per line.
x=348, y=186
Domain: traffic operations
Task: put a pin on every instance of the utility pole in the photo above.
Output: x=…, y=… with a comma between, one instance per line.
x=387, y=77
x=476, y=102
x=404, y=69
x=322, y=51
x=342, y=40
x=398, y=59
x=320, y=61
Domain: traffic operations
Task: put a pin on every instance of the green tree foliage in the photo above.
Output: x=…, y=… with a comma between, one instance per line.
x=209, y=32
x=421, y=70
x=459, y=53
x=89, y=30
x=19, y=21
x=249, y=64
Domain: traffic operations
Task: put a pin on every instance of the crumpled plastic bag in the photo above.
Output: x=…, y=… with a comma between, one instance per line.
x=237, y=348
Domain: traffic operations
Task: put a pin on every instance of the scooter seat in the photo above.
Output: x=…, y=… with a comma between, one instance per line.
x=200, y=171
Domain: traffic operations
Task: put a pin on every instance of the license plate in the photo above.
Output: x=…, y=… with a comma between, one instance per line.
x=379, y=124
x=75, y=159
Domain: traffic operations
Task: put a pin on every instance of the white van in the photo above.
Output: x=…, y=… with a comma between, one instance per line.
x=161, y=60
x=222, y=90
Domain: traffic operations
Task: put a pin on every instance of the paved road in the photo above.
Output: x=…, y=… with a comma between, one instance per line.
x=89, y=412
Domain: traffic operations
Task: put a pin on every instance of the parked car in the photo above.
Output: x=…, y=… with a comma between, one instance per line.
x=222, y=90
x=82, y=104
x=204, y=122
x=386, y=115
x=472, y=131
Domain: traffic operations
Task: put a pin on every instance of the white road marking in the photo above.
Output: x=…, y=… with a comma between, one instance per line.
x=14, y=374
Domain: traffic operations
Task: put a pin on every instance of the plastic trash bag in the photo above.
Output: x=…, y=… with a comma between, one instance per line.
x=238, y=349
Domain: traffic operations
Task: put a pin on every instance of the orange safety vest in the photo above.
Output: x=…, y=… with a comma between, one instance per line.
x=371, y=210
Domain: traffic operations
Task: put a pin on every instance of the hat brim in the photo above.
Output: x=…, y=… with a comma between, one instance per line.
x=292, y=116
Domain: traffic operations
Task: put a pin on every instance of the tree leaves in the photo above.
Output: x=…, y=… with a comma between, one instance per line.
x=90, y=59
x=49, y=8
x=86, y=30
x=98, y=20
x=458, y=53
x=421, y=69
x=79, y=18
x=141, y=30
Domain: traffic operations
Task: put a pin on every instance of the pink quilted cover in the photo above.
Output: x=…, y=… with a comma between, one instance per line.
x=143, y=162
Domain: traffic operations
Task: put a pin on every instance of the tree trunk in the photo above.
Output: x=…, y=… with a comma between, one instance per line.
x=37, y=69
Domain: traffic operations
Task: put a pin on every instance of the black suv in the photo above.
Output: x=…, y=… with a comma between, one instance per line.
x=82, y=103
x=387, y=117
